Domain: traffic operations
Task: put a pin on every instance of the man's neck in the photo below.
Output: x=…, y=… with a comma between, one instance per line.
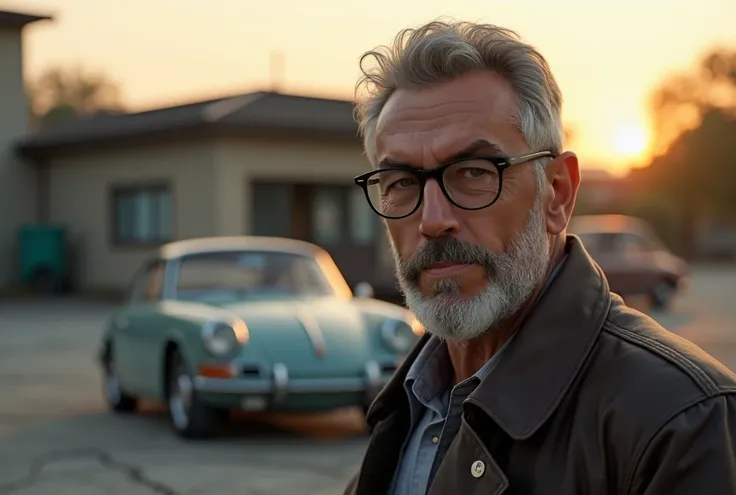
x=469, y=356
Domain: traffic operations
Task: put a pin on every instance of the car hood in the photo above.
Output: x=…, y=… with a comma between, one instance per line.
x=314, y=337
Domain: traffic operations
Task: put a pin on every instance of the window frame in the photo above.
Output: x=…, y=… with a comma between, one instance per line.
x=116, y=191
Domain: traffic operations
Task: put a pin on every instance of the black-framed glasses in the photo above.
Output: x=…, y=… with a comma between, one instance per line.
x=470, y=183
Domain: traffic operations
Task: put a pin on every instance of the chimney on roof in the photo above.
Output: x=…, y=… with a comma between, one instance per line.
x=276, y=67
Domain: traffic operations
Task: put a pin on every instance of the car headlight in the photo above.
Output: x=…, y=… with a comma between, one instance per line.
x=222, y=338
x=398, y=335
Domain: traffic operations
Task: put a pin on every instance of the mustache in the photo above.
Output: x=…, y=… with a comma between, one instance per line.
x=446, y=249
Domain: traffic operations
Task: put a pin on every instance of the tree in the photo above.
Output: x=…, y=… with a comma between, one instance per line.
x=681, y=101
x=694, y=116
x=60, y=94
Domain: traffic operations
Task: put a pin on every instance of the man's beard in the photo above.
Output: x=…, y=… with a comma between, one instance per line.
x=511, y=277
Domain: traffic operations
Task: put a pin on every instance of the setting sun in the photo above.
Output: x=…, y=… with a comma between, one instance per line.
x=631, y=141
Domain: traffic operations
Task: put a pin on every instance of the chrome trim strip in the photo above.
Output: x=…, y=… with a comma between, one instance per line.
x=299, y=386
x=313, y=330
x=279, y=385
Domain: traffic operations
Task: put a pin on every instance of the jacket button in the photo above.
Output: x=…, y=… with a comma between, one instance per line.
x=477, y=469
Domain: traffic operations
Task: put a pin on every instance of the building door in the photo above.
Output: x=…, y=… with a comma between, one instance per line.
x=340, y=225
x=335, y=217
x=271, y=209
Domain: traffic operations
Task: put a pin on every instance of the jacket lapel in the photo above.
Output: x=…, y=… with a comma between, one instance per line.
x=389, y=421
x=550, y=349
x=382, y=456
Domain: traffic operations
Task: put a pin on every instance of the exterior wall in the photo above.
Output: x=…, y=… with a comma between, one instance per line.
x=243, y=160
x=80, y=197
x=240, y=161
x=17, y=179
x=211, y=191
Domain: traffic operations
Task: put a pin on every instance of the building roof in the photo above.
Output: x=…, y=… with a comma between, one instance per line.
x=258, y=112
x=11, y=19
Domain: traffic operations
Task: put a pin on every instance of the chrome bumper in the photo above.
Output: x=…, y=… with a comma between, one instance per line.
x=278, y=386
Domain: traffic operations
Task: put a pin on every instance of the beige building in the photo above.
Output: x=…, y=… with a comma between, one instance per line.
x=18, y=180
x=260, y=163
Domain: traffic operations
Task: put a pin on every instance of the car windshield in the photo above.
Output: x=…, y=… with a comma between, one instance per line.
x=620, y=243
x=236, y=275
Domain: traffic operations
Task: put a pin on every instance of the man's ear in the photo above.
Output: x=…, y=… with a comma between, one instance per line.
x=564, y=177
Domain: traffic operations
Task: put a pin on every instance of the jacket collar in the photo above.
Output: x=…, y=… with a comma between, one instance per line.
x=545, y=356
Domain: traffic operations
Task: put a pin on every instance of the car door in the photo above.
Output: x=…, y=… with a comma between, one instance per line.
x=123, y=344
x=640, y=262
x=604, y=248
x=144, y=328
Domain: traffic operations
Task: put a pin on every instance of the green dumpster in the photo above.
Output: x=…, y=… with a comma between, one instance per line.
x=43, y=257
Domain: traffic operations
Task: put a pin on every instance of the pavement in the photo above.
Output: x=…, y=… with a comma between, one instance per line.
x=56, y=438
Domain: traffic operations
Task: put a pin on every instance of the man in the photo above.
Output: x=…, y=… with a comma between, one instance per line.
x=532, y=378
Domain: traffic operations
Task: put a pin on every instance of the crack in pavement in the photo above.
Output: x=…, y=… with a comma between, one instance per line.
x=134, y=474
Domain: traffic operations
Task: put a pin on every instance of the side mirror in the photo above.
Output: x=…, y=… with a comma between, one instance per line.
x=364, y=289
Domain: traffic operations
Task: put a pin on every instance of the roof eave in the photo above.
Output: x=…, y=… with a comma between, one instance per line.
x=39, y=151
x=19, y=20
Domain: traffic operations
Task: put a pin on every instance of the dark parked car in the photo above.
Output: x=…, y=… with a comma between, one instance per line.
x=634, y=259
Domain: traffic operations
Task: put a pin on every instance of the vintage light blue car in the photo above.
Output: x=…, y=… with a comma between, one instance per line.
x=248, y=323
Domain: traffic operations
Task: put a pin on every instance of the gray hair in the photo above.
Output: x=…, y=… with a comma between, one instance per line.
x=442, y=51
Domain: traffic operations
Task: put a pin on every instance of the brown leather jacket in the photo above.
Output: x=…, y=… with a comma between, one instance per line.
x=591, y=397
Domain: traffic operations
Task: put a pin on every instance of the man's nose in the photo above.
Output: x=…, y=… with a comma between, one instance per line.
x=438, y=217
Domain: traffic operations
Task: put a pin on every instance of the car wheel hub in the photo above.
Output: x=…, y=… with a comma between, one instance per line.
x=663, y=291
x=180, y=400
x=112, y=388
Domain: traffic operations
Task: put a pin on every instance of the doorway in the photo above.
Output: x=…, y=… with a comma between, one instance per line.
x=335, y=217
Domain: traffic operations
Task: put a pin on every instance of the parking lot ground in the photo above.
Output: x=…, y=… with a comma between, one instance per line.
x=56, y=438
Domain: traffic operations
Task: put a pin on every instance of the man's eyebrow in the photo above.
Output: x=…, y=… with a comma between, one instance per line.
x=388, y=162
x=477, y=147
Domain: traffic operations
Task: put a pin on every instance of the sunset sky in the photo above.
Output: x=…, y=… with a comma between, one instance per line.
x=607, y=56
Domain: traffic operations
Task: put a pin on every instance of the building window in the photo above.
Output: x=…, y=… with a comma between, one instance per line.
x=363, y=221
x=327, y=215
x=142, y=215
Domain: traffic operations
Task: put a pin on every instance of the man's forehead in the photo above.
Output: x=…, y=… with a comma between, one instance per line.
x=481, y=92
x=446, y=118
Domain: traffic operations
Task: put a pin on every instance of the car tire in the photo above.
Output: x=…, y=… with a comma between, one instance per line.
x=116, y=398
x=187, y=415
x=662, y=294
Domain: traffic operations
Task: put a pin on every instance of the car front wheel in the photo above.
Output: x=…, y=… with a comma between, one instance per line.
x=188, y=416
x=662, y=295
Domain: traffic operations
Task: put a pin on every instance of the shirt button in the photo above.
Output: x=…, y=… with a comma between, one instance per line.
x=477, y=469
x=435, y=439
